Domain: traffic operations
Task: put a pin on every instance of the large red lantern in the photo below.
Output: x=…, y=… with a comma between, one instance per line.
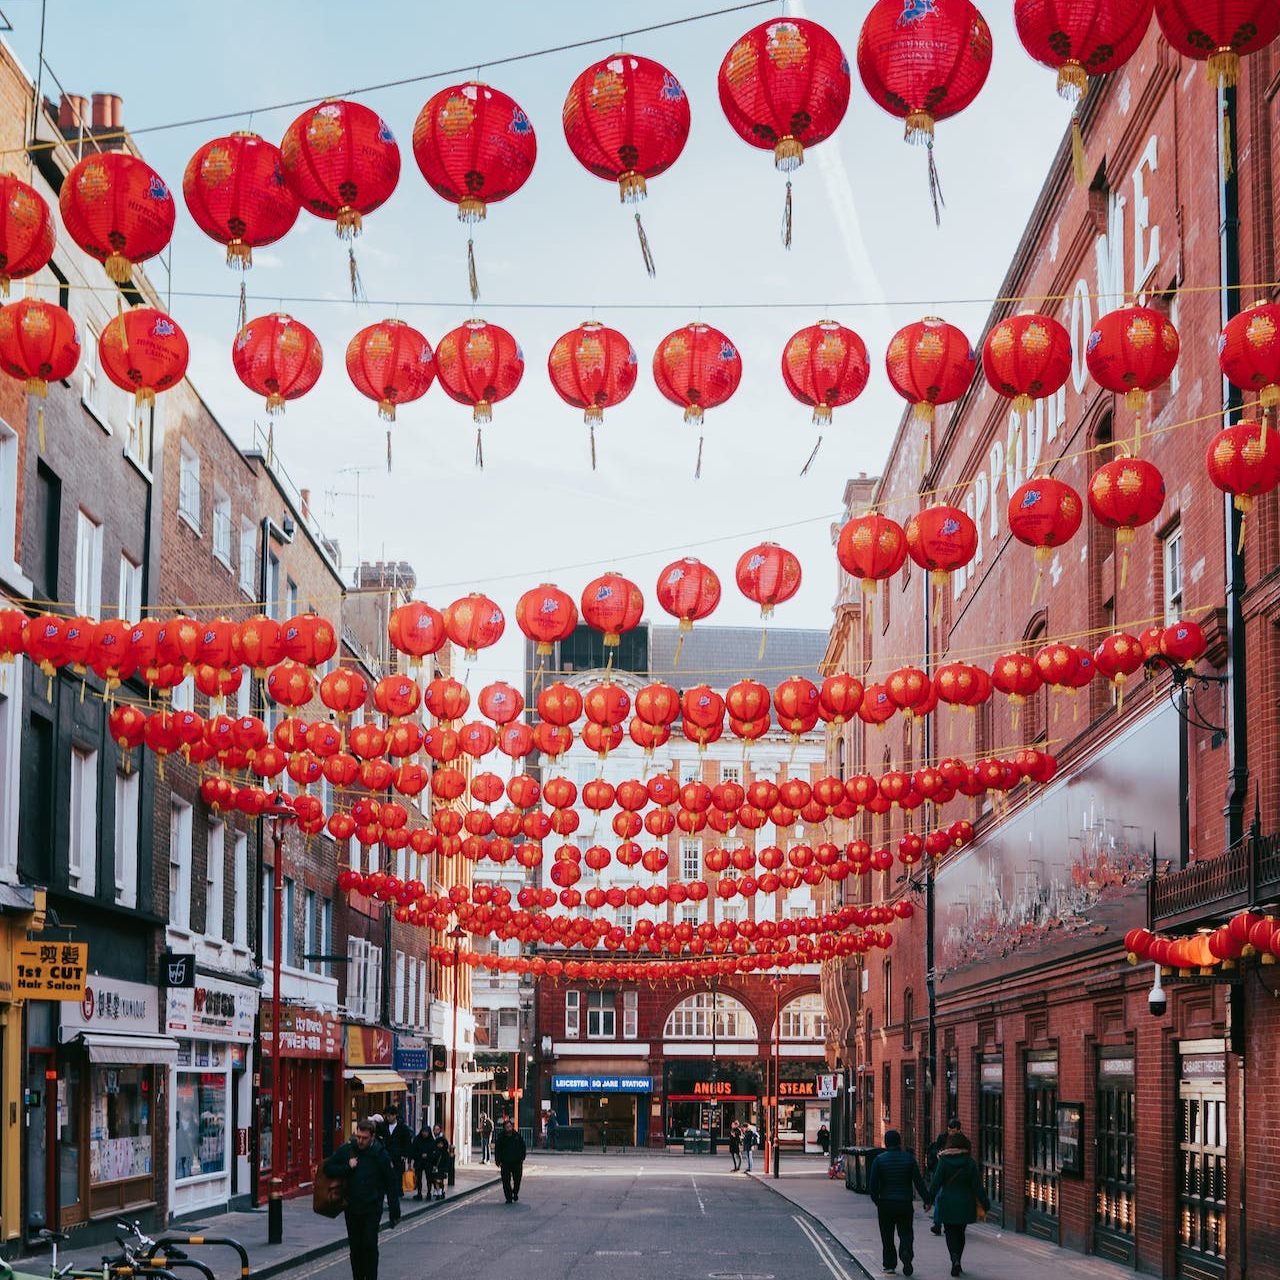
x=1218, y=32
x=278, y=357
x=1044, y=513
x=784, y=86
x=143, y=351
x=930, y=362
x=391, y=363
x=593, y=368
x=38, y=343
x=1244, y=461
x=1027, y=357
x=941, y=539
x=922, y=61
x=1016, y=676
x=546, y=615
x=698, y=368
x=1249, y=349
x=626, y=118
x=871, y=548
x=1123, y=495
x=416, y=630
x=688, y=590
x=612, y=604
x=475, y=146
x=500, y=702
x=479, y=364
x=768, y=575
x=235, y=190
x=657, y=705
x=474, y=622
x=839, y=698
x=1131, y=352
x=27, y=235
x=824, y=366
x=118, y=210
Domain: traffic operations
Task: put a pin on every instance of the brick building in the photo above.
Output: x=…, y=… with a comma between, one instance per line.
x=1097, y=1125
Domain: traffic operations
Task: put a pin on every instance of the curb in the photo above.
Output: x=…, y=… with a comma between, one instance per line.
x=767, y=1182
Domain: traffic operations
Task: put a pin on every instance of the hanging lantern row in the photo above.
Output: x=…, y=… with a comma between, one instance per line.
x=1246, y=935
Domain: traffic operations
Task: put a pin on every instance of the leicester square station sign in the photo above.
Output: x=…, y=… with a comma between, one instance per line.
x=601, y=1084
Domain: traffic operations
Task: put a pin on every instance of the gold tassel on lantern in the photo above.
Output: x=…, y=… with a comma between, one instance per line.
x=117, y=267
x=239, y=255
x=1222, y=69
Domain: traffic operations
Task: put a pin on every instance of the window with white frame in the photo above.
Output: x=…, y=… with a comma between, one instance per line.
x=183, y=696
x=730, y=910
x=572, y=1014
x=129, y=591
x=127, y=837
x=691, y=1019
x=804, y=1018
x=411, y=998
x=138, y=439
x=244, y=696
x=689, y=771
x=625, y=915
x=401, y=989
x=8, y=494
x=310, y=922
x=602, y=1017
x=690, y=859
x=289, y=950
x=189, y=486
x=214, y=877
x=689, y=913
x=290, y=598
x=730, y=773
x=630, y=1014
x=88, y=566
x=423, y=993
x=240, y=888
x=319, y=944
x=82, y=853
x=93, y=386
x=364, y=980
x=222, y=525
x=10, y=749
x=248, y=555
x=179, y=864
x=1172, y=547
x=274, y=600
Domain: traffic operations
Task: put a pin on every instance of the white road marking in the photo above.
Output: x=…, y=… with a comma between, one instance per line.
x=702, y=1208
x=820, y=1248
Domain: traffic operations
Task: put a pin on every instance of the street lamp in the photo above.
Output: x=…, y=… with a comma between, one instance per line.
x=457, y=933
x=280, y=812
x=777, y=1059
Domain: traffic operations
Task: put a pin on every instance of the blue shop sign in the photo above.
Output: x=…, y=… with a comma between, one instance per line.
x=601, y=1084
x=410, y=1053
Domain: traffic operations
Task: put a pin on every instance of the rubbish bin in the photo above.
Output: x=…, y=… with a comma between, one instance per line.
x=863, y=1156
x=849, y=1165
x=697, y=1142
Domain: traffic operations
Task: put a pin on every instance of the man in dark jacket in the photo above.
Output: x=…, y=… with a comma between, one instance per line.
x=398, y=1141
x=370, y=1176
x=894, y=1175
x=509, y=1151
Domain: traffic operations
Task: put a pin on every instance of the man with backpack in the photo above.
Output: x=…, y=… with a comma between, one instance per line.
x=369, y=1176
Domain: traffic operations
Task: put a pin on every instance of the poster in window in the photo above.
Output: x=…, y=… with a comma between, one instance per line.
x=1070, y=1139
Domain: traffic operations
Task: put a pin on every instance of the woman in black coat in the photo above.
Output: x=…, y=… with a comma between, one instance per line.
x=424, y=1158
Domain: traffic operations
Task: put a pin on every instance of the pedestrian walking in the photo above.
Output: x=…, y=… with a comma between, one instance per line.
x=552, y=1125
x=399, y=1144
x=939, y=1143
x=895, y=1177
x=441, y=1165
x=735, y=1146
x=750, y=1140
x=486, y=1136
x=370, y=1178
x=824, y=1138
x=957, y=1188
x=509, y=1151
x=424, y=1159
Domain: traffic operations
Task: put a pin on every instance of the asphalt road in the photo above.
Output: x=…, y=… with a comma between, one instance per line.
x=627, y=1219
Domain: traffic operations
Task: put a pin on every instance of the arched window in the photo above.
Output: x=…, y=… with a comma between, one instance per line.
x=691, y=1019
x=804, y=1018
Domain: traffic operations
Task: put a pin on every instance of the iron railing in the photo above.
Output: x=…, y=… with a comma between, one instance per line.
x=1246, y=875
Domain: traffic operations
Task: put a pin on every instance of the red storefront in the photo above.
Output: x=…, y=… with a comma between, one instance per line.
x=310, y=1070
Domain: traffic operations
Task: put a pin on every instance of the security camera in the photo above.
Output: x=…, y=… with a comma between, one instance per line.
x=1156, y=1000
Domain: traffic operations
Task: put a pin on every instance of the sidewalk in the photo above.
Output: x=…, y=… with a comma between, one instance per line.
x=307, y=1235
x=991, y=1252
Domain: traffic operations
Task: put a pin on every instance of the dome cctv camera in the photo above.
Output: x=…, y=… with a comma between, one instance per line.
x=1156, y=1001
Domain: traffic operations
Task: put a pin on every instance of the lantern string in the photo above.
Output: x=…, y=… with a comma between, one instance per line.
x=472, y=279
x=804, y=471
x=645, y=251
x=935, y=186
x=786, y=218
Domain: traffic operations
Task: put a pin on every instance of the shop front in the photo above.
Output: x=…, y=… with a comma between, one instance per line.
x=373, y=1086
x=702, y=1094
x=412, y=1063
x=310, y=1084
x=801, y=1113
x=108, y=1094
x=611, y=1110
x=210, y=1101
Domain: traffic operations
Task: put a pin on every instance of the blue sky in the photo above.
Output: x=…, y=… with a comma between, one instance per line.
x=864, y=237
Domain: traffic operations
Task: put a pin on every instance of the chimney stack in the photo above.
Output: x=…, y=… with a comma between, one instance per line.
x=101, y=111
x=305, y=495
x=73, y=113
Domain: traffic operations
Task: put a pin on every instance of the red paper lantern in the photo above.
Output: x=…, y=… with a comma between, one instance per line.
x=500, y=703
x=1118, y=657
x=612, y=604
x=795, y=702
x=474, y=622
x=871, y=548
x=446, y=698
x=1044, y=513
x=559, y=704
x=27, y=234
x=396, y=696
x=344, y=691
x=941, y=539
x=290, y=685
x=1249, y=349
x=1016, y=676
x=658, y=705
x=626, y=118
x=38, y=343
x=118, y=210
x=236, y=192
x=768, y=575
x=839, y=698
x=1132, y=351
x=1244, y=461
x=923, y=61
x=1081, y=38
x=688, y=590
x=593, y=368
x=278, y=357
x=1027, y=357
x=391, y=363
x=1218, y=32
x=546, y=615
x=824, y=366
x=930, y=362
x=417, y=630
x=1183, y=641
x=341, y=160
x=698, y=368
x=479, y=364
x=143, y=351
x=1125, y=494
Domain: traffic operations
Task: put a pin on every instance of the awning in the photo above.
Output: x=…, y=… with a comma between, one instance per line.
x=377, y=1081
x=120, y=1050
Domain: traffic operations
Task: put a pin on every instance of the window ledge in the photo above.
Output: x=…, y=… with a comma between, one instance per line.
x=138, y=465
x=97, y=415
x=12, y=578
x=223, y=560
x=190, y=520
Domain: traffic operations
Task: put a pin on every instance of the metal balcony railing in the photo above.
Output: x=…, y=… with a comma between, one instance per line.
x=1246, y=875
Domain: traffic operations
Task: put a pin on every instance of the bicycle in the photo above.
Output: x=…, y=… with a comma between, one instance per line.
x=836, y=1168
x=141, y=1255
x=110, y=1267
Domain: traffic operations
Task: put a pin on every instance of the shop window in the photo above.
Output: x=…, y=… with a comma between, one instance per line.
x=200, y=1102
x=601, y=1016
x=572, y=1014
x=240, y=890
x=214, y=875
x=120, y=1135
x=82, y=848
x=180, y=865
x=804, y=1018
x=630, y=1014
x=691, y=1019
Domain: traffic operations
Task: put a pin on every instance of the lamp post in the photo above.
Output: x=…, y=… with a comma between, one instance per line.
x=280, y=813
x=457, y=933
x=714, y=1109
x=777, y=1062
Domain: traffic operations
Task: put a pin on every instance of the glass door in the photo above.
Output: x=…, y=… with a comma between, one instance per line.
x=909, y=1108
x=990, y=1151
x=1115, y=1174
x=1042, y=1146
x=1202, y=1179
